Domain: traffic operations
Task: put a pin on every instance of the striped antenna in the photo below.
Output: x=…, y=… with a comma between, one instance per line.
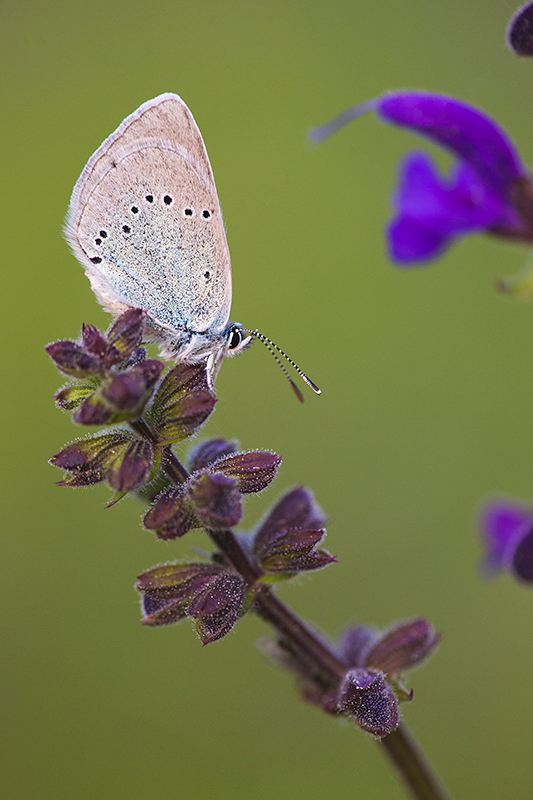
x=272, y=347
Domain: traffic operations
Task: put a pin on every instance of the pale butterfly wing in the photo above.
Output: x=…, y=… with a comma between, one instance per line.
x=145, y=222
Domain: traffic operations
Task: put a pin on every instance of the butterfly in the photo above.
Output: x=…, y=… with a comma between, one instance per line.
x=145, y=223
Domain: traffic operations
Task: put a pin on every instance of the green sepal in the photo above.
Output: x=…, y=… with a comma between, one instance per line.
x=276, y=577
x=403, y=695
x=249, y=598
x=72, y=396
x=117, y=497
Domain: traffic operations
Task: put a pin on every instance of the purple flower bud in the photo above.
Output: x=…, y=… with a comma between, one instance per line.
x=507, y=532
x=182, y=403
x=133, y=468
x=167, y=591
x=73, y=360
x=218, y=607
x=204, y=454
x=253, y=471
x=520, y=31
x=171, y=516
x=184, y=417
x=216, y=500
x=403, y=647
x=366, y=696
x=124, y=336
x=93, y=341
x=122, y=396
x=181, y=380
x=93, y=411
x=295, y=552
x=128, y=392
x=89, y=459
x=354, y=644
x=297, y=509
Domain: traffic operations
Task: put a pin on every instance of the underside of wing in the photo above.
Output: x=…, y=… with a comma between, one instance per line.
x=145, y=221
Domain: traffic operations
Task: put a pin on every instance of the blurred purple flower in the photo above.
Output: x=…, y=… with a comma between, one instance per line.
x=520, y=31
x=507, y=534
x=489, y=189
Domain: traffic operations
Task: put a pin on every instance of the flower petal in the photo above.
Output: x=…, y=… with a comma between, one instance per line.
x=500, y=523
x=132, y=468
x=410, y=243
x=74, y=360
x=431, y=210
x=464, y=130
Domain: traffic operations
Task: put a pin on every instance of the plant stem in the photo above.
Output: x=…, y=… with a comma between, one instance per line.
x=326, y=666
x=413, y=767
x=322, y=664
x=233, y=552
x=170, y=464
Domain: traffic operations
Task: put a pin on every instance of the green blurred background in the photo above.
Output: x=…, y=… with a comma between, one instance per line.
x=426, y=379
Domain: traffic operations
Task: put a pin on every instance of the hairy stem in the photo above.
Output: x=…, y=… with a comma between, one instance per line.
x=412, y=765
x=326, y=666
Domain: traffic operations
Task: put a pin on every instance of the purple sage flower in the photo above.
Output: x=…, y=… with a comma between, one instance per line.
x=507, y=534
x=488, y=190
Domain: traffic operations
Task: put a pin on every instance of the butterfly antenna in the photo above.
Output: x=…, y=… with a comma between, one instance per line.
x=272, y=347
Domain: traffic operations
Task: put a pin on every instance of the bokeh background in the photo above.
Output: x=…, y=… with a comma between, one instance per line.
x=426, y=406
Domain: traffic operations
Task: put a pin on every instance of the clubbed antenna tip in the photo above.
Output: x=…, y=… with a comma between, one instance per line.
x=271, y=347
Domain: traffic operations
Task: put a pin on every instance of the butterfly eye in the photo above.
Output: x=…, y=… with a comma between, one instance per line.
x=235, y=338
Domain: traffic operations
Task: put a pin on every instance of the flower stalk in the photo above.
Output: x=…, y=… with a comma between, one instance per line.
x=360, y=676
x=324, y=665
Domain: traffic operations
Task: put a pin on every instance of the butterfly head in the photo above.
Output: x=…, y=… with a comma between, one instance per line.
x=236, y=339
